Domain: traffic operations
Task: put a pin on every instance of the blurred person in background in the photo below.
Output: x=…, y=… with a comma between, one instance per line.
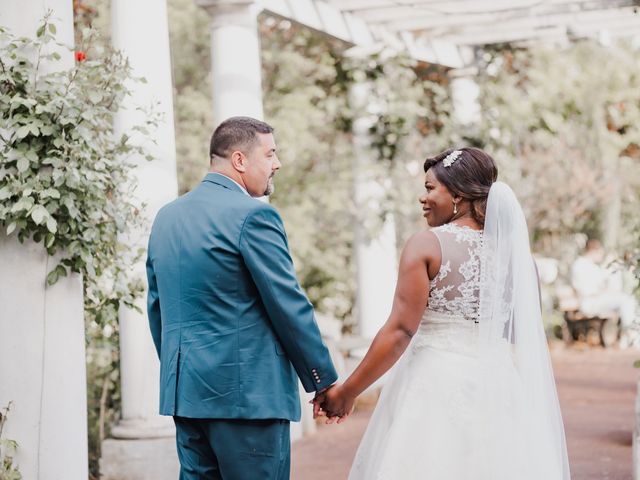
x=600, y=288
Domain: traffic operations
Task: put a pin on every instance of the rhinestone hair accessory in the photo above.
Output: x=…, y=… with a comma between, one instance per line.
x=451, y=158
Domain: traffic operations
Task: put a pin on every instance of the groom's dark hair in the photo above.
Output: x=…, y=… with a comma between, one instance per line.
x=236, y=133
x=470, y=176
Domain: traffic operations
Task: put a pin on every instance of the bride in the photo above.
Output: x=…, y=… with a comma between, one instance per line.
x=472, y=395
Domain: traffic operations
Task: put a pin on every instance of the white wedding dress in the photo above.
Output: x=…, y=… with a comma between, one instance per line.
x=456, y=406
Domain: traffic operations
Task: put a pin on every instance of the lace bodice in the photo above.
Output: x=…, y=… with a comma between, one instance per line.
x=450, y=319
x=456, y=288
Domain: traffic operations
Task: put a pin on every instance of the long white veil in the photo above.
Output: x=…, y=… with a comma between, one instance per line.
x=518, y=393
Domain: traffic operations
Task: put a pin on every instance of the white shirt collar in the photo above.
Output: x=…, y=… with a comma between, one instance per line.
x=241, y=187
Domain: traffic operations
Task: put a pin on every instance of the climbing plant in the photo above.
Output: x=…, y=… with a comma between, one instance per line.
x=65, y=177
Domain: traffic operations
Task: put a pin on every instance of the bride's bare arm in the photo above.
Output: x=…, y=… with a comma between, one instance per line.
x=409, y=303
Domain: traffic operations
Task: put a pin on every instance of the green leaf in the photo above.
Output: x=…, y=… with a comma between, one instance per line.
x=23, y=132
x=95, y=96
x=62, y=271
x=46, y=130
x=636, y=364
x=56, y=273
x=11, y=228
x=31, y=156
x=52, y=29
x=52, y=225
x=52, y=277
x=40, y=31
x=52, y=192
x=39, y=214
x=50, y=238
x=23, y=164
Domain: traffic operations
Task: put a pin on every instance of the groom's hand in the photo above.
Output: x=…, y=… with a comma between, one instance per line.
x=318, y=400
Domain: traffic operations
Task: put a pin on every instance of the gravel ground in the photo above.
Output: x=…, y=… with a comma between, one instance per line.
x=597, y=390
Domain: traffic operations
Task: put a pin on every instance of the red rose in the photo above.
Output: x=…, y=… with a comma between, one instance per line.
x=80, y=56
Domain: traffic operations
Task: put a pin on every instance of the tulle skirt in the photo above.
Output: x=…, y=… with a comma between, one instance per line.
x=447, y=414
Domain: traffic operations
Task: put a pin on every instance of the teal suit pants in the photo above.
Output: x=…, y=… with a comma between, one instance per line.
x=233, y=449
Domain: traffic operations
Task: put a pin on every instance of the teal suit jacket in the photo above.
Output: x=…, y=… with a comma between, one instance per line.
x=228, y=318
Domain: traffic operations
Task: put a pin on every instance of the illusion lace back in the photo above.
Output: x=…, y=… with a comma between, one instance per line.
x=451, y=317
x=456, y=288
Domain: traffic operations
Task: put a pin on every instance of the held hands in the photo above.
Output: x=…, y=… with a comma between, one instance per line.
x=334, y=403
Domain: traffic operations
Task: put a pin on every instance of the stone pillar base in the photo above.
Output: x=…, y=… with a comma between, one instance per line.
x=140, y=459
x=139, y=428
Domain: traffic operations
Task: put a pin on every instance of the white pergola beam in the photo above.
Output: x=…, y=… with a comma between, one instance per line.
x=333, y=19
x=494, y=20
x=551, y=34
x=417, y=24
x=500, y=36
x=617, y=28
x=326, y=18
x=512, y=31
x=459, y=13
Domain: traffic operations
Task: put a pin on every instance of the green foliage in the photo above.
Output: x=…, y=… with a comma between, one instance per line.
x=8, y=471
x=564, y=126
x=65, y=178
x=103, y=387
x=399, y=98
x=412, y=120
x=304, y=103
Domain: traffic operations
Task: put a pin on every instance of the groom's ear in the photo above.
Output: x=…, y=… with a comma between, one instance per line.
x=239, y=161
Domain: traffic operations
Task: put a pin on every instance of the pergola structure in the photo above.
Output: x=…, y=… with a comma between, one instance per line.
x=432, y=30
x=469, y=22
x=435, y=31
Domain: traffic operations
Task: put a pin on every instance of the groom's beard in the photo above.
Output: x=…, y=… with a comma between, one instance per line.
x=270, y=187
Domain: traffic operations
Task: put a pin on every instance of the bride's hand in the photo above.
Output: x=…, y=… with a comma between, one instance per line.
x=337, y=404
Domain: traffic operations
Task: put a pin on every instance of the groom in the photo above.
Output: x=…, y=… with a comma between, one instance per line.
x=229, y=321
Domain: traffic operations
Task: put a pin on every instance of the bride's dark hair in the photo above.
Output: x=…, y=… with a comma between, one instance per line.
x=469, y=177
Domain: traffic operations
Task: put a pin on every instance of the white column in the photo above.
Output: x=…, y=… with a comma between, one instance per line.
x=42, y=364
x=465, y=93
x=143, y=447
x=235, y=58
x=375, y=245
x=42, y=351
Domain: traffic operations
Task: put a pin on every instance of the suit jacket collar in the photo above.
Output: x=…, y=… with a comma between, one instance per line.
x=224, y=181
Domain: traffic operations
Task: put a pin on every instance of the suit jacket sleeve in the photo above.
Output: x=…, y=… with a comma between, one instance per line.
x=263, y=245
x=153, y=306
